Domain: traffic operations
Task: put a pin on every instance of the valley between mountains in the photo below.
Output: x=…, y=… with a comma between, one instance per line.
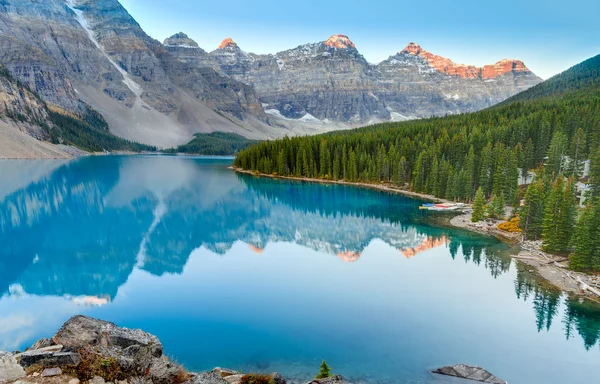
x=90, y=63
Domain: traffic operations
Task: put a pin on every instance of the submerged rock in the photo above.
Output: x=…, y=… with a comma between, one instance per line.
x=9, y=368
x=470, y=373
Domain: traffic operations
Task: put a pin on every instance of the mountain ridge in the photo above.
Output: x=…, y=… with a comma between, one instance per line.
x=81, y=53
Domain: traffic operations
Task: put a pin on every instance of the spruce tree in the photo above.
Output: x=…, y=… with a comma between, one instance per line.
x=324, y=371
x=585, y=240
x=478, y=206
x=532, y=211
x=577, y=153
x=556, y=153
x=559, y=217
x=595, y=174
x=497, y=207
x=528, y=160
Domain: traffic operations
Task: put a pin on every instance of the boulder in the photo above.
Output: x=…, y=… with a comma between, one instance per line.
x=338, y=379
x=234, y=379
x=274, y=378
x=224, y=372
x=469, y=372
x=9, y=368
x=96, y=380
x=50, y=372
x=209, y=378
x=48, y=359
x=42, y=343
x=163, y=371
x=85, y=331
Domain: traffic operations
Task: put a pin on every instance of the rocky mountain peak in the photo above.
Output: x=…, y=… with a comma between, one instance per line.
x=228, y=43
x=412, y=49
x=449, y=67
x=180, y=40
x=502, y=67
x=340, y=42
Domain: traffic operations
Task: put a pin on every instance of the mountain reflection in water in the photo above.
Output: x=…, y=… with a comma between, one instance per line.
x=73, y=237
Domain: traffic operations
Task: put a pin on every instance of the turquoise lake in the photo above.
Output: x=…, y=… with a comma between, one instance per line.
x=268, y=275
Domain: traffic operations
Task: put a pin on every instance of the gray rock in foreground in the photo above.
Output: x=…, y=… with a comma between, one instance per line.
x=85, y=331
x=9, y=369
x=329, y=380
x=470, y=373
x=49, y=359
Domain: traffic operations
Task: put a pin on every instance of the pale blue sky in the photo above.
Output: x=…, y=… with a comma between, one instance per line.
x=549, y=36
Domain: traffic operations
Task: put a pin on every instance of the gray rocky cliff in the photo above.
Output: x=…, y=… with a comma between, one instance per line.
x=332, y=81
x=76, y=53
x=81, y=53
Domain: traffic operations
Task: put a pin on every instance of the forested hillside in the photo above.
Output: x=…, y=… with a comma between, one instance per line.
x=581, y=76
x=215, y=144
x=86, y=131
x=455, y=156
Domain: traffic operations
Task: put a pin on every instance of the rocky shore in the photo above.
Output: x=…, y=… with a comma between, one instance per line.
x=86, y=350
x=552, y=268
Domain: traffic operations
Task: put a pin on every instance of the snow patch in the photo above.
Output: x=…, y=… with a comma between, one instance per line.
x=308, y=118
x=181, y=46
x=373, y=96
x=276, y=113
x=128, y=81
x=395, y=116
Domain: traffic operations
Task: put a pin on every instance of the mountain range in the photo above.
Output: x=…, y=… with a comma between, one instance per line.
x=91, y=58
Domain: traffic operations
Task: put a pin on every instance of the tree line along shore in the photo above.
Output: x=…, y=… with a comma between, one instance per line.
x=538, y=153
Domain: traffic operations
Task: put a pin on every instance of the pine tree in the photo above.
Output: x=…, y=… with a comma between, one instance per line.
x=585, y=240
x=497, y=207
x=556, y=153
x=485, y=174
x=478, y=206
x=595, y=174
x=559, y=217
x=532, y=211
x=528, y=159
x=577, y=153
x=324, y=371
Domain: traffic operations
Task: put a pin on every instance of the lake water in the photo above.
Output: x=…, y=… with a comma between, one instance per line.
x=257, y=274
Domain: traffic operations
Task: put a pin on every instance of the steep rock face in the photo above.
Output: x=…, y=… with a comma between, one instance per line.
x=44, y=47
x=331, y=81
x=448, y=67
x=415, y=83
x=79, y=52
x=76, y=53
x=18, y=103
x=180, y=40
x=188, y=68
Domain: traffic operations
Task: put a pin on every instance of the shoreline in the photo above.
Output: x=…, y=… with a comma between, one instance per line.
x=551, y=268
x=86, y=350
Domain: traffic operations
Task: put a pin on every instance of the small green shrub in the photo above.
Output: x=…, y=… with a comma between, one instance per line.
x=325, y=371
